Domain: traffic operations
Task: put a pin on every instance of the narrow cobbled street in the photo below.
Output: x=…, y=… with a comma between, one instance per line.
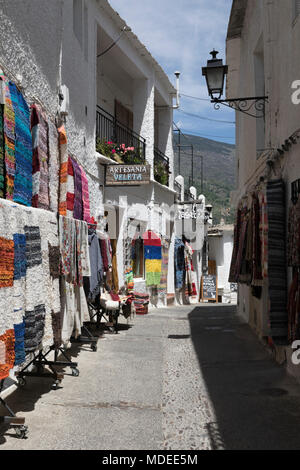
x=180, y=378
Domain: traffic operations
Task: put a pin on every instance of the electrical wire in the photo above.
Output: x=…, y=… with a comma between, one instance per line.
x=204, y=118
x=194, y=97
x=208, y=135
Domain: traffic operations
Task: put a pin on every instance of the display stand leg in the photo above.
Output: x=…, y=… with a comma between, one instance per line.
x=117, y=323
x=88, y=339
x=14, y=422
x=67, y=363
x=98, y=313
x=39, y=361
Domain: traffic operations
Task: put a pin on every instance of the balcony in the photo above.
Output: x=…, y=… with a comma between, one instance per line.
x=161, y=167
x=188, y=196
x=116, y=141
x=178, y=189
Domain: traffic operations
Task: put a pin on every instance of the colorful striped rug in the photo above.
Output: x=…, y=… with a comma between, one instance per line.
x=78, y=212
x=85, y=197
x=153, y=258
x=9, y=143
x=277, y=262
x=2, y=153
x=23, y=148
x=63, y=171
x=162, y=289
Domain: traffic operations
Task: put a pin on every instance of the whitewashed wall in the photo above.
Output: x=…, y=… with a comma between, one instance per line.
x=271, y=27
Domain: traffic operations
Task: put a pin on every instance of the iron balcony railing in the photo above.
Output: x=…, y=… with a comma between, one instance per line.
x=178, y=188
x=188, y=196
x=161, y=167
x=109, y=129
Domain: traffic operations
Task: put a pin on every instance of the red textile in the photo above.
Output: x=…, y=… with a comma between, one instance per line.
x=9, y=340
x=70, y=195
x=151, y=239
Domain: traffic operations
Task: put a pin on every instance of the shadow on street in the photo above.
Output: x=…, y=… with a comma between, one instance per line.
x=256, y=404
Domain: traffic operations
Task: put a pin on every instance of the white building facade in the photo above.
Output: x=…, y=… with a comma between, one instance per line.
x=263, y=60
x=59, y=54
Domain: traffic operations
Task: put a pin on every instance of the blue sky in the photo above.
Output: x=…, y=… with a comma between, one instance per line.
x=180, y=34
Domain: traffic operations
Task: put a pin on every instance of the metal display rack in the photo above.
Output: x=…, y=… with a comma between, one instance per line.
x=88, y=338
x=17, y=423
x=98, y=312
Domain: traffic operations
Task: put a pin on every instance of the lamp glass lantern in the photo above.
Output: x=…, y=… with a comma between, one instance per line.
x=215, y=73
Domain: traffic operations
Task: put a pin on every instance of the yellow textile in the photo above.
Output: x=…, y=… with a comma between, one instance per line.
x=153, y=265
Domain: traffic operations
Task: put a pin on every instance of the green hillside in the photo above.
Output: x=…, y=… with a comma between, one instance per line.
x=218, y=172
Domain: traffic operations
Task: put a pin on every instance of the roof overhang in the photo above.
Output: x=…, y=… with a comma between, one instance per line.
x=141, y=48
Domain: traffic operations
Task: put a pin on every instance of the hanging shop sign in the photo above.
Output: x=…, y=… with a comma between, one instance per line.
x=233, y=287
x=127, y=175
x=209, y=288
x=193, y=212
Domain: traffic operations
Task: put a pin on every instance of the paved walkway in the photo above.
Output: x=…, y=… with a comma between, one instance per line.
x=180, y=378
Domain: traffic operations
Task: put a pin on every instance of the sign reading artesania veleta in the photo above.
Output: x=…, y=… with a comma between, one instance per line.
x=123, y=175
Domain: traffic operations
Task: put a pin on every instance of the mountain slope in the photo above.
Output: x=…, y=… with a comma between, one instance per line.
x=218, y=171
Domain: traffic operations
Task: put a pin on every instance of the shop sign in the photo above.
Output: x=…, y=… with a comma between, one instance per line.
x=209, y=288
x=190, y=213
x=124, y=175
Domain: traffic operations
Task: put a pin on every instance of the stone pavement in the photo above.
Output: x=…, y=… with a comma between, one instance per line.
x=180, y=378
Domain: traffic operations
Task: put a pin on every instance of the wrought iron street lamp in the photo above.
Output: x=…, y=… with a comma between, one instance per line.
x=215, y=73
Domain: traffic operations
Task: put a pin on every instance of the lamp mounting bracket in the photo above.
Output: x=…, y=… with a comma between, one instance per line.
x=252, y=106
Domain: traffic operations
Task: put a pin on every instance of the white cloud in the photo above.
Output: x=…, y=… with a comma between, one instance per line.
x=180, y=34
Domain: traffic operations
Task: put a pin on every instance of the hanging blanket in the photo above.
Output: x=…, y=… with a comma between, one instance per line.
x=9, y=143
x=63, y=171
x=179, y=263
x=70, y=189
x=2, y=152
x=23, y=148
x=257, y=243
x=54, y=168
x=35, y=309
x=115, y=278
x=162, y=290
x=264, y=227
x=40, y=171
x=6, y=262
x=153, y=257
x=78, y=212
x=85, y=197
x=236, y=241
x=129, y=280
x=50, y=264
x=190, y=286
x=74, y=265
x=28, y=295
x=96, y=277
x=7, y=353
x=294, y=235
x=278, y=317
